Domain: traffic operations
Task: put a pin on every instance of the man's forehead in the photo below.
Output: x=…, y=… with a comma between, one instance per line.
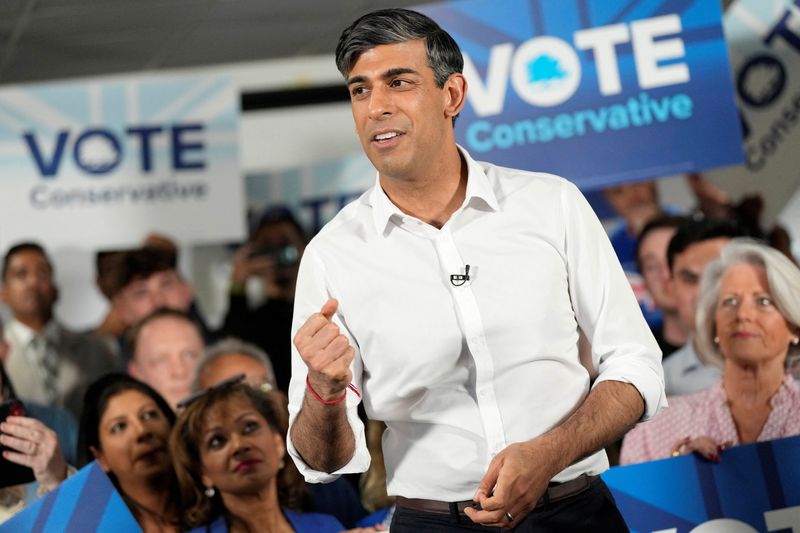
x=23, y=258
x=698, y=254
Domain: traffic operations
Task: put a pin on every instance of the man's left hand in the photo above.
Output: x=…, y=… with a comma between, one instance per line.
x=516, y=479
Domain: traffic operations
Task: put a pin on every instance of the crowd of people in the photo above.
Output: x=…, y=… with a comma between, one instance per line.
x=195, y=427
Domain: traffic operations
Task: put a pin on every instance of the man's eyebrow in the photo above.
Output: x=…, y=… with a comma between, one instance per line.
x=391, y=73
x=356, y=79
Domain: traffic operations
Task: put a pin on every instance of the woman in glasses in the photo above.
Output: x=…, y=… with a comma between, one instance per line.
x=125, y=426
x=229, y=458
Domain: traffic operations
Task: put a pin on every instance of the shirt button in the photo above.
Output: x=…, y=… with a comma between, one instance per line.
x=483, y=393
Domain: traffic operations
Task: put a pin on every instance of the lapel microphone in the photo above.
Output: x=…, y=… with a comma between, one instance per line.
x=459, y=279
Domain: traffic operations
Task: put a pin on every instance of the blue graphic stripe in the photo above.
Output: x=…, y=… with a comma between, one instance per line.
x=623, y=13
x=642, y=516
x=584, y=14
x=65, y=503
x=116, y=516
x=459, y=24
x=672, y=6
x=537, y=18
x=95, y=495
x=705, y=475
x=44, y=511
x=772, y=478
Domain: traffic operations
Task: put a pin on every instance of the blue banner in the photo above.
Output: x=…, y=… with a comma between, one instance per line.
x=598, y=91
x=754, y=488
x=85, y=502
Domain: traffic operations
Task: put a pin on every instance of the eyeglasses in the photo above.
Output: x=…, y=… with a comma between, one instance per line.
x=222, y=385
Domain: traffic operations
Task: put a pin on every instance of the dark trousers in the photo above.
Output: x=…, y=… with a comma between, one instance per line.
x=592, y=510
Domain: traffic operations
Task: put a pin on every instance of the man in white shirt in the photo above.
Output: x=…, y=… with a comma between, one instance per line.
x=449, y=299
x=694, y=245
x=47, y=363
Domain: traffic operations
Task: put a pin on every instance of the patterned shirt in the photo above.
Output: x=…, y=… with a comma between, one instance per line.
x=708, y=414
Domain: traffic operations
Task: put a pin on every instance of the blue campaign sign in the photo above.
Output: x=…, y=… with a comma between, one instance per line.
x=86, y=501
x=754, y=488
x=598, y=91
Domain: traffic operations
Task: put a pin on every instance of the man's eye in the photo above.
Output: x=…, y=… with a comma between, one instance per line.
x=358, y=91
x=398, y=83
x=150, y=415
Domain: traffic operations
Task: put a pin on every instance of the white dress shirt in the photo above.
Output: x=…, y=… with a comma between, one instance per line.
x=684, y=373
x=459, y=373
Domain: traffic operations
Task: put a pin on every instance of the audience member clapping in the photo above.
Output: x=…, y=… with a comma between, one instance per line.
x=125, y=426
x=748, y=322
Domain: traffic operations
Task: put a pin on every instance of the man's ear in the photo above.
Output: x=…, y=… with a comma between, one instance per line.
x=455, y=89
x=100, y=458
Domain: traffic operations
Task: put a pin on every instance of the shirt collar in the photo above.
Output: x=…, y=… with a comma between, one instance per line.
x=23, y=334
x=478, y=187
x=784, y=396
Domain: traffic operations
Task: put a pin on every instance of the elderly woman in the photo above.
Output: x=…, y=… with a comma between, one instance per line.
x=747, y=324
x=228, y=452
x=125, y=426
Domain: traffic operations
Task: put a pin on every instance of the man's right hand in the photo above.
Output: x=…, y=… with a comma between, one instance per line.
x=326, y=352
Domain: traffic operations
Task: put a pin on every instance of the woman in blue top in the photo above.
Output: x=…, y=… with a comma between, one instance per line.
x=228, y=453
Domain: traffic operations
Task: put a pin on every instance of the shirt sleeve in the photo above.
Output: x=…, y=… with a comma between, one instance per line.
x=623, y=347
x=313, y=290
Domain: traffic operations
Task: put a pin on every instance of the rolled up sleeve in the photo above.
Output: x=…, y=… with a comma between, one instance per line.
x=623, y=347
x=312, y=292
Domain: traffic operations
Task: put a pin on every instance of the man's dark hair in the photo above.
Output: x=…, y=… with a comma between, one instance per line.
x=694, y=230
x=392, y=26
x=24, y=247
x=660, y=222
x=118, y=269
x=278, y=215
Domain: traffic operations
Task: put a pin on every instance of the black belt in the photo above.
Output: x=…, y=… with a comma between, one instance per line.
x=554, y=493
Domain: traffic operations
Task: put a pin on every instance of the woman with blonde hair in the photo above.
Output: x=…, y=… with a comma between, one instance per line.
x=748, y=324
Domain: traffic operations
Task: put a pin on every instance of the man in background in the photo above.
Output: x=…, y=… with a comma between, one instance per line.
x=48, y=363
x=696, y=243
x=270, y=258
x=166, y=347
x=651, y=259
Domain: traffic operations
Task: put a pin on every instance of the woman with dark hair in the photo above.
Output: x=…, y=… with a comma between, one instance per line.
x=125, y=427
x=228, y=453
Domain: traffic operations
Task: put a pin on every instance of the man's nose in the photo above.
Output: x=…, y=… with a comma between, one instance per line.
x=380, y=103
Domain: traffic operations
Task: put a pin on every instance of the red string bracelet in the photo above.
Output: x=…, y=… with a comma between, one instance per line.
x=336, y=400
